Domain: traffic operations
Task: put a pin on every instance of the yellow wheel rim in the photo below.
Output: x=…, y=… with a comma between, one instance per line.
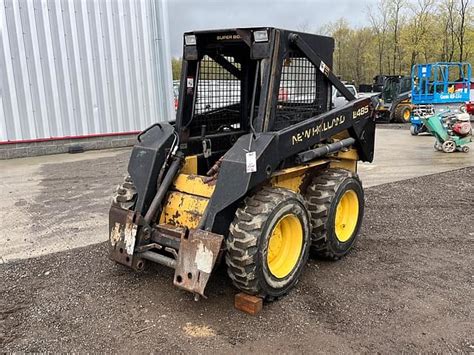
x=284, y=246
x=406, y=115
x=347, y=214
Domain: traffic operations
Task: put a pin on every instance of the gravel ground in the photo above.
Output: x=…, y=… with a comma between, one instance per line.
x=406, y=287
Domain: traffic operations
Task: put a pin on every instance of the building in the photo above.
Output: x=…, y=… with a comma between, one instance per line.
x=81, y=72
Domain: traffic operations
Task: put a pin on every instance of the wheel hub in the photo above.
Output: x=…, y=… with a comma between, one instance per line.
x=284, y=246
x=347, y=214
x=406, y=115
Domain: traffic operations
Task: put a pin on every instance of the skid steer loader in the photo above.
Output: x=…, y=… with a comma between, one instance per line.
x=257, y=170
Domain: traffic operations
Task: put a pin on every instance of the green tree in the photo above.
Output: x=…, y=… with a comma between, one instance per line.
x=176, y=64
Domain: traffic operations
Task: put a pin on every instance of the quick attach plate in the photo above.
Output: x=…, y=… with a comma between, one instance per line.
x=197, y=256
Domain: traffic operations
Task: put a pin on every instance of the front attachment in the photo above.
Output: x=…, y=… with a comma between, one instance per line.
x=122, y=235
x=197, y=256
x=193, y=254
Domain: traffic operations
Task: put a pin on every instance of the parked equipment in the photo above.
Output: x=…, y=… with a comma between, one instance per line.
x=246, y=175
x=436, y=86
x=452, y=130
x=395, y=105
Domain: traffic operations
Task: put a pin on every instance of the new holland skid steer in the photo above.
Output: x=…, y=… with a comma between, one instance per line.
x=247, y=175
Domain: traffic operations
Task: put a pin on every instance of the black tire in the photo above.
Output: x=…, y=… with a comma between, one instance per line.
x=323, y=196
x=402, y=114
x=248, y=240
x=125, y=195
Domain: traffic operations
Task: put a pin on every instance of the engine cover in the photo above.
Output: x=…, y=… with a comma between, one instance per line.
x=462, y=128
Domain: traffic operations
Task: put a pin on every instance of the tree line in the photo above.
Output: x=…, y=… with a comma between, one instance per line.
x=401, y=33
x=396, y=35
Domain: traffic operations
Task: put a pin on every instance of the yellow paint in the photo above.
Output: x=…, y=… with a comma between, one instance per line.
x=193, y=184
x=302, y=168
x=341, y=135
x=284, y=246
x=290, y=181
x=292, y=178
x=187, y=200
x=190, y=165
x=345, y=160
x=406, y=115
x=347, y=214
x=183, y=209
x=350, y=154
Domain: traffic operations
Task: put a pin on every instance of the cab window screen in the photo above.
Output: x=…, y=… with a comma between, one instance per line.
x=218, y=96
x=300, y=93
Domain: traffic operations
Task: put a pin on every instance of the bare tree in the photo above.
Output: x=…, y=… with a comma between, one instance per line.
x=379, y=21
x=418, y=26
x=396, y=7
x=461, y=29
x=448, y=16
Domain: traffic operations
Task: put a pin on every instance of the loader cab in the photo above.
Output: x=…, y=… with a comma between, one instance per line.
x=394, y=86
x=238, y=81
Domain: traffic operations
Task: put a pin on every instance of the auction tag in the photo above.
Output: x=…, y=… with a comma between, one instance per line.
x=251, y=162
x=189, y=82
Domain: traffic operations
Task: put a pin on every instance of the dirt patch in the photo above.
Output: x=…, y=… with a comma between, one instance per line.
x=406, y=287
x=75, y=191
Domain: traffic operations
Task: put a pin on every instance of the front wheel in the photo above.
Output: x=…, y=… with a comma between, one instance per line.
x=414, y=130
x=268, y=244
x=336, y=204
x=448, y=146
x=402, y=114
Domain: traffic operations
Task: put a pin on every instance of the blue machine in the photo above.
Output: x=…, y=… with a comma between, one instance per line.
x=435, y=85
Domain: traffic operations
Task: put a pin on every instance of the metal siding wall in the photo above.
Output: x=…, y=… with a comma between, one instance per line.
x=79, y=67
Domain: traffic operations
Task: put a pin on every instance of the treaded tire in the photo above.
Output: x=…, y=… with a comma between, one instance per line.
x=125, y=195
x=247, y=243
x=323, y=195
x=399, y=114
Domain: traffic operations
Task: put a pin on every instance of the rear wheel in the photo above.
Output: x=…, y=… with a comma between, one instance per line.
x=268, y=244
x=402, y=114
x=336, y=204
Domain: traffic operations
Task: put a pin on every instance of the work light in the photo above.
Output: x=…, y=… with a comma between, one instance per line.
x=260, y=36
x=190, y=40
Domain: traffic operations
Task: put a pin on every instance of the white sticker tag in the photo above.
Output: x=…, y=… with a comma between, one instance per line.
x=324, y=68
x=251, y=162
x=189, y=82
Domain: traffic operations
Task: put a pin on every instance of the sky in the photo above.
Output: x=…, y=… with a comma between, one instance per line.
x=188, y=15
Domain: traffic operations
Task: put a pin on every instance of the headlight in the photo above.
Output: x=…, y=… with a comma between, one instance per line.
x=190, y=40
x=260, y=36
